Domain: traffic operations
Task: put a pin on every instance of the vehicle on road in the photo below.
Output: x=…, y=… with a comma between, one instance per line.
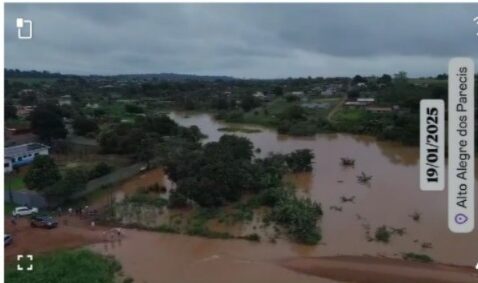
x=24, y=211
x=7, y=239
x=43, y=221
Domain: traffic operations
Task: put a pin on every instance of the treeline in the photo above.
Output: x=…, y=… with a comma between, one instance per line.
x=15, y=73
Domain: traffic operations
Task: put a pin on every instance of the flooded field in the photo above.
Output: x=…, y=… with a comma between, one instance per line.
x=391, y=198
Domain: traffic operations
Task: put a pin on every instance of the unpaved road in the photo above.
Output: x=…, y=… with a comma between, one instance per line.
x=28, y=240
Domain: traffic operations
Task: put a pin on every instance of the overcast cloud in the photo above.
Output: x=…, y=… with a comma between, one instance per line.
x=242, y=40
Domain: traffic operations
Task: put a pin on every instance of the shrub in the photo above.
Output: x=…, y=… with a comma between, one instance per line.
x=100, y=170
x=382, y=234
x=177, y=200
x=299, y=217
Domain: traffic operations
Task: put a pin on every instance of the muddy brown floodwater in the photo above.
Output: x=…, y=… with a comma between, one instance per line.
x=389, y=199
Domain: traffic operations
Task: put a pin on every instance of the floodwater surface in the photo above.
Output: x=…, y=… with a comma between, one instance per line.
x=390, y=198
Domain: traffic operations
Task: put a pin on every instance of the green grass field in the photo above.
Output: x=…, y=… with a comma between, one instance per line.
x=77, y=266
x=8, y=208
x=14, y=182
x=349, y=115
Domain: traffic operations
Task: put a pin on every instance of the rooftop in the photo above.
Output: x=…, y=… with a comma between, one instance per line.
x=16, y=150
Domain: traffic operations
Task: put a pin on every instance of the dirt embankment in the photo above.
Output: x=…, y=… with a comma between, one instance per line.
x=364, y=269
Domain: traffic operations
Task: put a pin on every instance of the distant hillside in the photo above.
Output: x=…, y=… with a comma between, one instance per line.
x=11, y=73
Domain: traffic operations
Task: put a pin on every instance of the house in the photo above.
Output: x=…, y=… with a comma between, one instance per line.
x=297, y=93
x=328, y=92
x=92, y=105
x=360, y=102
x=64, y=100
x=366, y=100
x=353, y=104
x=19, y=155
x=259, y=95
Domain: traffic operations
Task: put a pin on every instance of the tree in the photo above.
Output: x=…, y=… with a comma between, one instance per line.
x=249, y=102
x=47, y=123
x=353, y=94
x=358, y=79
x=401, y=76
x=99, y=170
x=442, y=76
x=385, y=79
x=135, y=109
x=278, y=90
x=74, y=181
x=10, y=111
x=42, y=173
x=83, y=126
x=293, y=113
x=145, y=151
x=300, y=160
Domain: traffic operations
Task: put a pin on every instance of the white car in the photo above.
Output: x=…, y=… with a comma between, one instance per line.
x=23, y=210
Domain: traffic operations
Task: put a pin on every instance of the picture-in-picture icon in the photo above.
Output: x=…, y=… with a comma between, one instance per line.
x=25, y=28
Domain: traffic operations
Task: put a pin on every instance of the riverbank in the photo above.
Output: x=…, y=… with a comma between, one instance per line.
x=158, y=257
x=364, y=269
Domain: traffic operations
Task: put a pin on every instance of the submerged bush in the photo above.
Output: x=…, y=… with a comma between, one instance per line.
x=417, y=257
x=383, y=234
x=299, y=217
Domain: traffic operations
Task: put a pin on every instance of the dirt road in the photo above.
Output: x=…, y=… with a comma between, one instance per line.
x=73, y=233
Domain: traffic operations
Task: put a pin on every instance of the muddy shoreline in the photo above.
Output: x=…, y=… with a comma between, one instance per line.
x=367, y=269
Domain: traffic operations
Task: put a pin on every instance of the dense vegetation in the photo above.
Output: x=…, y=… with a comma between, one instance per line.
x=223, y=171
x=78, y=266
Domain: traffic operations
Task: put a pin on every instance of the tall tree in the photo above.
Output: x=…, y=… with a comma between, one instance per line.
x=47, y=123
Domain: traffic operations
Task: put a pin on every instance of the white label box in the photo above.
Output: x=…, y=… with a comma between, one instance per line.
x=461, y=145
x=432, y=145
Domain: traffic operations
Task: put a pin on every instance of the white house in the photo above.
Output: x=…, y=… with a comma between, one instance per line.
x=19, y=155
x=259, y=95
x=64, y=100
x=328, y=92
x=92, y=105
x=366, y=100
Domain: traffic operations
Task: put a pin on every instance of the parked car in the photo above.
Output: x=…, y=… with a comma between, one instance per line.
x=24, y=210
x=43, y=221
x=7, y=239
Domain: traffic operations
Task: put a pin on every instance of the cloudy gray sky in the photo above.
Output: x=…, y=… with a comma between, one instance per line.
x=242, y=40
